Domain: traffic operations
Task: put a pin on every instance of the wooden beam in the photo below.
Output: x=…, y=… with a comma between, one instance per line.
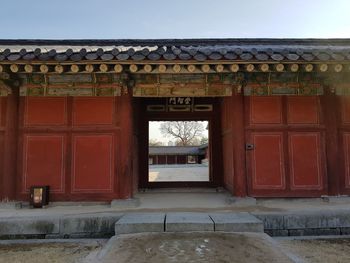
x=103, y=67
x=338, y=68
x=329, y=103
x=205, y=68
x=279, y=67
x=14, y=68
x=44, y=68
x=191, y=68
x=11, y=137
x=118, y=68
x=162, y=68
x=147, y=68
x=125, y=170
x=176, y=68
x=74, y=68
x=323, y=67
x=28, y=68
x=294, y=67
x=89, y=68
x=133, y=68
x=219, y=68
x=234, y=68
x=308, y=67
x=249, y=67
x=264, y=67
x=59, y=69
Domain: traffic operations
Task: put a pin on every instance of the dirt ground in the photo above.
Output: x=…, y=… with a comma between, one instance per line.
x=192, y=247
x=44, y=252
x=178, y=247
x=320, y=250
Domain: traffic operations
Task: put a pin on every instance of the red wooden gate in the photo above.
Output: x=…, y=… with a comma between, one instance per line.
x=285, y=146
x=70, y=144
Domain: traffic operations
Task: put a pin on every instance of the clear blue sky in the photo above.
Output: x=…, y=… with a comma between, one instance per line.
x=62, y=19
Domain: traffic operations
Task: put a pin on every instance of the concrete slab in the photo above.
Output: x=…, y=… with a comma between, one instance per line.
x=125, y=204
x=139, y=223
x=11, y=205
x=272, y=221
x=187, y=221
x=240, y=201
x=236, y=222
x=311, y=220
x=89, y=223
x=29, y=226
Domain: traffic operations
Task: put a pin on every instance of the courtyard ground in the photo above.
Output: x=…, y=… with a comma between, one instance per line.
x=179, y=247
x=179, y=172
x=44, y=251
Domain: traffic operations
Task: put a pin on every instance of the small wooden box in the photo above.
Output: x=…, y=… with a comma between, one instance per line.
x=39, y=196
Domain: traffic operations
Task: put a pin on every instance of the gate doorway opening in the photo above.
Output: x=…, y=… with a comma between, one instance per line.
x=204, y=157
x=178, y=151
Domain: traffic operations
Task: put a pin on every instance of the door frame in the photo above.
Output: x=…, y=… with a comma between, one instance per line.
x=213, y=118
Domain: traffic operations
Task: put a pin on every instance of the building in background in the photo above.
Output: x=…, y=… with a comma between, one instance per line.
x=177, y=154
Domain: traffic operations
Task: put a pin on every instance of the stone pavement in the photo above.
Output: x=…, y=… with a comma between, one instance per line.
x=132, y=223
x=280, y=217
x=176, y=173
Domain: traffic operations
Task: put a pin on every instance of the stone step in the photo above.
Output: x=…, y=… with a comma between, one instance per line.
x=139, y=223
x=236, y=222
x=187, y=222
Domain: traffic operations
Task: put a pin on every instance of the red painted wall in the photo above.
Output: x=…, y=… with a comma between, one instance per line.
x=72, y=145
x=288, y=135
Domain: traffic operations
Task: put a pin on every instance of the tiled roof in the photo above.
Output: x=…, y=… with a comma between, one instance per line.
x=175, y=150
x=170, y=50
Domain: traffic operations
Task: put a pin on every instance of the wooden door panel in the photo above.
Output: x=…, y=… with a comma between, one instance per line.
x=346, y=149
x=265, y=110
x=92, y=163
x=93, y=111
x=345, y=110
x=44, y=162
x=45, y=111
x=306, y=167
x=267, y=161
x=303, y=110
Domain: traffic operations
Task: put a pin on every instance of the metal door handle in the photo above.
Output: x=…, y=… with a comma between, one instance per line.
x=249, y=146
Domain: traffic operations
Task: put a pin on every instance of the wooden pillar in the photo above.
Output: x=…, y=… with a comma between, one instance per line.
x=10, y=146
x=331, y=119
x=125, y=176
x=238, y=138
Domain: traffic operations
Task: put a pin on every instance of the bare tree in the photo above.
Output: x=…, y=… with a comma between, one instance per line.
x=186, y=132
